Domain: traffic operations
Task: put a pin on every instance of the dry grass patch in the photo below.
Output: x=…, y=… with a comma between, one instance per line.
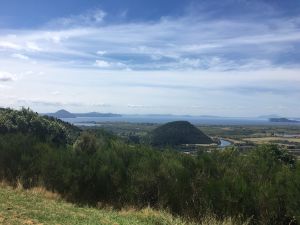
x=39, y=206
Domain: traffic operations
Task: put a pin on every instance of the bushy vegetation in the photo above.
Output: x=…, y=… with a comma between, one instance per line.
x=263, y=185
x=44, y=128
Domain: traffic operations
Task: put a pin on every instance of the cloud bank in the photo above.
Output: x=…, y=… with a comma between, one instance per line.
x=201, y=62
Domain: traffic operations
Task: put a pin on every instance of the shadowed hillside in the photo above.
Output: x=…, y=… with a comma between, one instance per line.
x=177, y=133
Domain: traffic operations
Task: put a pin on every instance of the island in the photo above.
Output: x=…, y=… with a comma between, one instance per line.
x=283, y=120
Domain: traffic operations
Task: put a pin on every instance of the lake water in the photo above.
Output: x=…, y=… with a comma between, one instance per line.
x=198, y=120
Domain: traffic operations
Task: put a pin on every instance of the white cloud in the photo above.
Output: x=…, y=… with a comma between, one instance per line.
x=55, y=92
x=138, y=106
x=182, y=43
x=102, y=64
x=110, y=65
x=97, y=15
x=33, y=46
x=176, y=63
x=100, y=105
x=6, y=77
x=164, y=91
x=92, y=17
x=48, y=103
x=190, y=62
x=20, y=56
x=101, y=52
x=9, y=45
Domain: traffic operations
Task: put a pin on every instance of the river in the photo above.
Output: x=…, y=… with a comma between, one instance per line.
x=224, y=143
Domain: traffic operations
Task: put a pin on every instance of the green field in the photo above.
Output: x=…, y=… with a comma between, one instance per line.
x=262, y=140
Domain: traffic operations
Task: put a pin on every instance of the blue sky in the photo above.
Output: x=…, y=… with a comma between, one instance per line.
x=230, y=58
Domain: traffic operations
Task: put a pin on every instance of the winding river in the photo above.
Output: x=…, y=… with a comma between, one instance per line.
x=224, y=143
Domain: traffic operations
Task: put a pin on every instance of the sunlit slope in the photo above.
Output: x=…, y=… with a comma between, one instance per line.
x=38, y=207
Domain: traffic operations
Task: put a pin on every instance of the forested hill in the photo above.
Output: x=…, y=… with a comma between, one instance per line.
x=43, y=127
x=177, y=133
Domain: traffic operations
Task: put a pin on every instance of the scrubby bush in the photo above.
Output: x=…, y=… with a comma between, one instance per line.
x=47, y=129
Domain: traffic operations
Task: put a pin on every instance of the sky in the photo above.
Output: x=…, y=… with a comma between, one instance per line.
x=202, y=57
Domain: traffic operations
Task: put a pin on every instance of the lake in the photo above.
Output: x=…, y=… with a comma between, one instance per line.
x=198, y=120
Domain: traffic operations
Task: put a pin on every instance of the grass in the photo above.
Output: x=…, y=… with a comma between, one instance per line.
x=37, y=206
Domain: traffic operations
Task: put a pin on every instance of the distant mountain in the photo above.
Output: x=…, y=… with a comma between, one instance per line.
x=65, y=114
x=269, y=116
x=283, y=120
x=62, y=114
x=177, y=133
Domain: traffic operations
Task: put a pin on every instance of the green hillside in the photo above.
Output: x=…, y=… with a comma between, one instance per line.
x=177, y=133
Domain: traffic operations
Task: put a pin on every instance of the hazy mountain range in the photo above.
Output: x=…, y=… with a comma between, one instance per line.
x=65, y=114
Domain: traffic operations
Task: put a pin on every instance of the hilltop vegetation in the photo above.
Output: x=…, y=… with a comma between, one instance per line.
x=177, y=133
x=44, y=128
x=262, y=185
